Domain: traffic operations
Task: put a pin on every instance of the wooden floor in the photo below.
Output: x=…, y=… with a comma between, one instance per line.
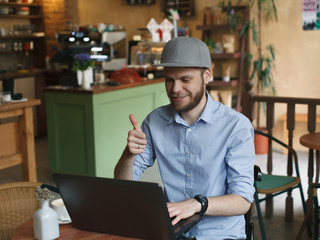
x=276, y=227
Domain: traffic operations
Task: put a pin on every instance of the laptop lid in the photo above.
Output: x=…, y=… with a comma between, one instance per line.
x=118, y=207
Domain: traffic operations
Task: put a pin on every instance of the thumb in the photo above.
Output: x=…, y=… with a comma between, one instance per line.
x=134, y=122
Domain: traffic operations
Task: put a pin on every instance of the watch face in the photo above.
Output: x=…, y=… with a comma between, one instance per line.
x=202, y=198
x=203, y=201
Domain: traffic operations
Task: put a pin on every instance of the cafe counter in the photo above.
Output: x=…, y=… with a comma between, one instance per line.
x=88, y=129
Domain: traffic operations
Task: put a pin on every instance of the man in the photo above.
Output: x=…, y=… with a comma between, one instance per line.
x=204, y=149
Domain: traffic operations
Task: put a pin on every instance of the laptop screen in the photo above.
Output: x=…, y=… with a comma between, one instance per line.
x=118, y=207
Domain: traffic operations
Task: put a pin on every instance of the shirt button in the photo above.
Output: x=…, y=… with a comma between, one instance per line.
x=189, y=129
x=188, y=152
x=188, y=175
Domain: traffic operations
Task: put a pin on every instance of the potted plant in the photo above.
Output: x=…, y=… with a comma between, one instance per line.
x=261, y=65
x=83, y=65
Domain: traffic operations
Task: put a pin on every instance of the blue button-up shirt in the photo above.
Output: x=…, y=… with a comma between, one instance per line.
x=213, y=157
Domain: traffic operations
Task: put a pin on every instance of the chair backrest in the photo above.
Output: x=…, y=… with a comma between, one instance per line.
x=290, y=102
x=17, y=205
x=247, y=216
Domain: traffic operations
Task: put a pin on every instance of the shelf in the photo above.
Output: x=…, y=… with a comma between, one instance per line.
x=16, y=52
x=128, y=2
x=215, y=27
x=28, y=73
x=225, y=55
x=214, y=32
x=185, y=7
x=22, y=16
x=13, y=4
x=220, y=83
x=24, y=37
x=212, y=27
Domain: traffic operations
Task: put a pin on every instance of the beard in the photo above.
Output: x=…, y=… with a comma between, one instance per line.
x=178, y=107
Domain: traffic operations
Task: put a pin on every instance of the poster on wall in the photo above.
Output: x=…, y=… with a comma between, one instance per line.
x=311, y=14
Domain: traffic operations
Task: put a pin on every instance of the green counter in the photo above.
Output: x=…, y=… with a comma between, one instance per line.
x=87, y=130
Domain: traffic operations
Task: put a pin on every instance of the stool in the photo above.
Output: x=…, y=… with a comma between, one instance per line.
x=17, y=137
x=312, y=141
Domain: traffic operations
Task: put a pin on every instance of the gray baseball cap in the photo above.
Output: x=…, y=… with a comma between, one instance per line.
x=185, y=52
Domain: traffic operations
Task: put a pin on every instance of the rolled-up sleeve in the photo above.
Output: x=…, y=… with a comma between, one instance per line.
x=240, y=160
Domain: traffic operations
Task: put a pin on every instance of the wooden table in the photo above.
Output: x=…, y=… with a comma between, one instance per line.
x=17, y=137
x=25, y=232
x=311, y=141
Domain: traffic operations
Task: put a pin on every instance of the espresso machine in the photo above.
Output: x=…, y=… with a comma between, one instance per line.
x=117, y=40
x=72, y=43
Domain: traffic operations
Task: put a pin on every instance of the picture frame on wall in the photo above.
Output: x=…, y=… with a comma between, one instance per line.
x=311, y=14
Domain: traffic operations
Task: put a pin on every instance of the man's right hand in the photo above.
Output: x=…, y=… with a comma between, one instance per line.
x=136, y=141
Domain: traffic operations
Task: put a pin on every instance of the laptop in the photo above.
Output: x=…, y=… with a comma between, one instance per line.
x=119, y=207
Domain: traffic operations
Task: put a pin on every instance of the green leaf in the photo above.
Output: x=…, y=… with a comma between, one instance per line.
x=271, y=51
x=259, y=4
x=229, y=7
x=222, y=4
x=245, y=29
x=259, y=66
x=275, y=10
x=254, y=32
x=254, y=69
x=251, y=3
x=247, y=60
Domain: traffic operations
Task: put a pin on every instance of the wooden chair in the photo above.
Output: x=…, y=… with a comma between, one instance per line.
x=273, y=185
x=247, y=216
x=17, y=137
x=17, y=205
x=311, y=106
x=314, y=187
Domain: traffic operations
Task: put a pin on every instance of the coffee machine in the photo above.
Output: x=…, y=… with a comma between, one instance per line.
x=118, y=49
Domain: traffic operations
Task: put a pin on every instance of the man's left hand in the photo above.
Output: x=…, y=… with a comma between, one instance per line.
x=183, y=210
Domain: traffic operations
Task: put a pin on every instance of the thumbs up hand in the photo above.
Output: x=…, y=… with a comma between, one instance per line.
x=136, y=141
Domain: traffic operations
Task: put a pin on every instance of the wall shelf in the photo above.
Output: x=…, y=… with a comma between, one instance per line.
x=217, y=30
x=139, y=2
x=185, y=7
x=220, y=83
x=16, y=52
x=225, y=55
x=26, y=73
x=13, y=4
x=27, y=37
x=30, y=61
x=22, y=16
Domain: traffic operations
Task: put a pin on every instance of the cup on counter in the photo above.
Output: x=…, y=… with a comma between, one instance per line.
x=6, y=97
x=60, y=208
x=99, y=76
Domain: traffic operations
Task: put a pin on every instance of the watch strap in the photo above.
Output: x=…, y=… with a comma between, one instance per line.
x=203, y=200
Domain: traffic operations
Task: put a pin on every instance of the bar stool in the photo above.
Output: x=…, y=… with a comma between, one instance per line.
x=312, y=141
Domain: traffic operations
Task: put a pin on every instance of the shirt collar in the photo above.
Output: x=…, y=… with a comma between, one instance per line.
x=206, y=116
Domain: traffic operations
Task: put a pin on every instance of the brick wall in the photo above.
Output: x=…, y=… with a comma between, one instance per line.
x=56, y=18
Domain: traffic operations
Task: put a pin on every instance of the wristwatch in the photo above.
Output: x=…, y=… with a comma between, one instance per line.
x=203, y=200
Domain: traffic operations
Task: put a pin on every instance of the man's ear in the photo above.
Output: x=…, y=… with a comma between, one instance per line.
x=207, y=75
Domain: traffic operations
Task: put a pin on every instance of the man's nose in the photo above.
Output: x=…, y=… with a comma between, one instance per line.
x=176, y=86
